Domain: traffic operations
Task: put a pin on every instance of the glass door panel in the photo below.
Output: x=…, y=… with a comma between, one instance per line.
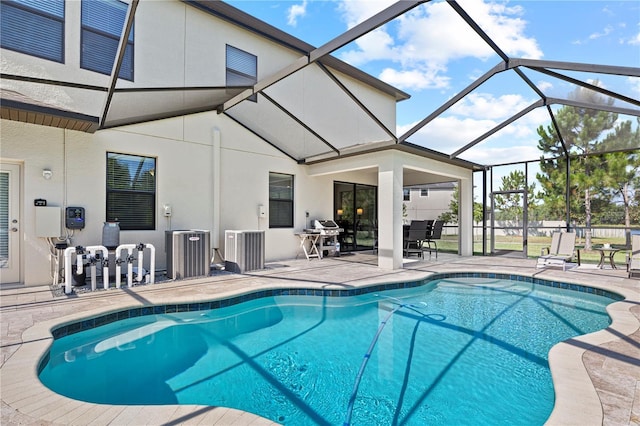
x=356, y=211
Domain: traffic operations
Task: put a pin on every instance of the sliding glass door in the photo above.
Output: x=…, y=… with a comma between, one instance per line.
x=356, y=210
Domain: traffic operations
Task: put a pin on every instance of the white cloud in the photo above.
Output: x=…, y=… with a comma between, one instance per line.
x=487, y=106
x=544, y=85
x=414, y=79
x=356, y=11
x=447, y=134
x=634, y=41
x=296, y=11
x=377, y=45
x=425, y=40
x=634, y=82
x=608, y=11
x=504, y=24
x=476, y=115
x=605, y=32
x=511, y=154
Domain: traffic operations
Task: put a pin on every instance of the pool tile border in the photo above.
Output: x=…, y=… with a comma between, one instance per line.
x=87, y=324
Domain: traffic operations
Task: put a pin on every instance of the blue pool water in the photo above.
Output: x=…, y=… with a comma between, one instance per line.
x=452, y=351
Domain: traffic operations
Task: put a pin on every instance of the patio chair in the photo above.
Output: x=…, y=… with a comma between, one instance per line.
x=429, y=225
x=563, y=246
x=434, y=235
x=415, y=237
x=347, y=237
x=633, y=258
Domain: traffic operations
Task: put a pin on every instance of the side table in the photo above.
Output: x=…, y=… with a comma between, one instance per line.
x=607, y=252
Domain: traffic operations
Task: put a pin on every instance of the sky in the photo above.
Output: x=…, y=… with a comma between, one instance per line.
x=432, y=54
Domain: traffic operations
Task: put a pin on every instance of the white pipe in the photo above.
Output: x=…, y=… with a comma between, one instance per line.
x=105, y=272
x=152, y=263
x=79, y=261
x=119, y=260
x=140, y=263
x=67, y=269
x=118, y=272
x=130, y=267
x=93, y=273
x=139, y=275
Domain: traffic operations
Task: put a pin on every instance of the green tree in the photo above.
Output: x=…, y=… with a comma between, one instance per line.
x=623, y=168
x=510, y=205
x=582, y=131
x=452, y=215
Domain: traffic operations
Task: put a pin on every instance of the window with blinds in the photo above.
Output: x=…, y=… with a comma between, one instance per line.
x=102, y=24
x=131, y=191
x=242, y=69
x=34, y=27
x=280, y=200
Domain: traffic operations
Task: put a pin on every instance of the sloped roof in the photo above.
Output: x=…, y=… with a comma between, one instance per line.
x=15, y=106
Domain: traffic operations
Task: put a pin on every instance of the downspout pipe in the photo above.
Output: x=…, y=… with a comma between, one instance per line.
x=215, y=199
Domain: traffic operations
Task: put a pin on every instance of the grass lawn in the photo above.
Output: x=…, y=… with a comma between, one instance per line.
x=449, y=244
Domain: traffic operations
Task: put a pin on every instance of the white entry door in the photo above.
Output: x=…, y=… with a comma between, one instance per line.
x=9, y=223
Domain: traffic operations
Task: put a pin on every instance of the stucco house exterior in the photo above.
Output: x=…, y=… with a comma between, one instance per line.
x=206, y=128
x=427, y=201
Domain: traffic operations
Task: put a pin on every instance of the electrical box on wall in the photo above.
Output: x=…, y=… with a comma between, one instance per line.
x=48, y=222
x=74, y=218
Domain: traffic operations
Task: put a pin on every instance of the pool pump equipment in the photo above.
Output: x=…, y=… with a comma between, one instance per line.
x=78, y=259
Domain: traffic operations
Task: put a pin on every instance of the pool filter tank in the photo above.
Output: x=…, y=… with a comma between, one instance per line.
x=111, y=235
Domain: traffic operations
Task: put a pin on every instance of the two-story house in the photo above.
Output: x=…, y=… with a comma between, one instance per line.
x=165, y=115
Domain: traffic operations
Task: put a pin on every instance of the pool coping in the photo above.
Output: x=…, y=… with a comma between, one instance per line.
x=577, y=401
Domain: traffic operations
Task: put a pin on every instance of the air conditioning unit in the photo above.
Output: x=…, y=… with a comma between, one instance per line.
x=244, y=251
x=188, y=253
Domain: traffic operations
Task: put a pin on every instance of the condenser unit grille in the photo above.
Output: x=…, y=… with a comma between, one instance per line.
x=244, y=251
x=187, y=253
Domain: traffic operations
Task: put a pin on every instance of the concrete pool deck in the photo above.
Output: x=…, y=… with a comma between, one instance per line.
x=596, y=377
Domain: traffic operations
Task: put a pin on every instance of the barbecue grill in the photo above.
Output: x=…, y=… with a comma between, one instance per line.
x=328, y=241
x=327, y=227
x=322, y=237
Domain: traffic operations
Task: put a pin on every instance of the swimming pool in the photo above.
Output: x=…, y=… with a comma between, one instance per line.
x=458, y=350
